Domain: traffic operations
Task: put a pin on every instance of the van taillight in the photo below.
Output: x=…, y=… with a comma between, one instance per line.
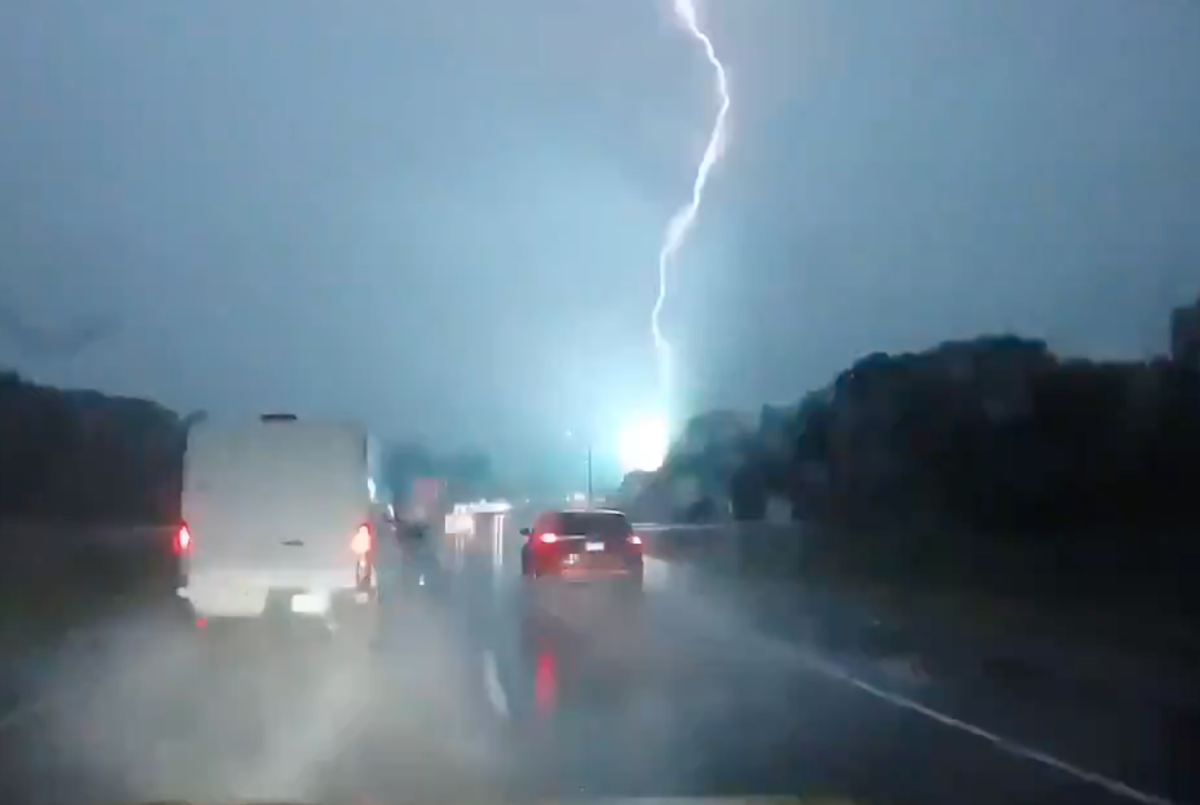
x=181, y=542
x=361, y=544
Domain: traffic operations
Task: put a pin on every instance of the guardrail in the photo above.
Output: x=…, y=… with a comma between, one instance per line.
x=45, y=547
x=44, y=562
x=730, y=548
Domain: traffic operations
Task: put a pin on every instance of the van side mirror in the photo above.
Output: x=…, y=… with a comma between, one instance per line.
x=525, y=532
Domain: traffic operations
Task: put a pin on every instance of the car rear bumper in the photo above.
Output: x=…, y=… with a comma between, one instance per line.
x=631, y=572
x=569, y=573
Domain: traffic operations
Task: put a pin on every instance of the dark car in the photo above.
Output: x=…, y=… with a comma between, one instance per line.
x=583, y=545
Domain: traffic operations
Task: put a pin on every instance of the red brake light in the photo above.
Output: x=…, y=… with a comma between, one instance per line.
x=634, y=539
x=361, y=543
x=547, y=539
x=181, y=542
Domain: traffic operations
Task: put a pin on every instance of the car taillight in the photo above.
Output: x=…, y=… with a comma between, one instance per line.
x=547, y=539
x=634, y=539
x=361, y=543
x=181, y=542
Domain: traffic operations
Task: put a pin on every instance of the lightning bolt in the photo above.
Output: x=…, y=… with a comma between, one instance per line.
x=682, y=222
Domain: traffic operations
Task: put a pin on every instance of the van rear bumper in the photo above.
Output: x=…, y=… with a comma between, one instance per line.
x=225, y=594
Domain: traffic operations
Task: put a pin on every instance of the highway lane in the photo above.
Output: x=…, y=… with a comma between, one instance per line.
x=470, y=696
x=236, y=715
x=687, y=700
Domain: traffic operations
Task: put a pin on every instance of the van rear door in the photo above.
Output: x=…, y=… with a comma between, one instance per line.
x=278, y=497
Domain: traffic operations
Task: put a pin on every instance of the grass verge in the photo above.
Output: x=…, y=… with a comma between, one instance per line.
x=1107, y=635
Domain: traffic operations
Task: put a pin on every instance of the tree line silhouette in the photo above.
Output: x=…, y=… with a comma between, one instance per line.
x=991, y=460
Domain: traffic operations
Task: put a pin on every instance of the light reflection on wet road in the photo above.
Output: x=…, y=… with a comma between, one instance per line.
x=478, y=691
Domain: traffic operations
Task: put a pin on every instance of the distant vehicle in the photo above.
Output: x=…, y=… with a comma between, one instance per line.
x=428, y=501
x=282, y=515
x=583, y=545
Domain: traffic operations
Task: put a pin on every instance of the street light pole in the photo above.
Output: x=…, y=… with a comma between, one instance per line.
x=589, y=475
x=571, y=435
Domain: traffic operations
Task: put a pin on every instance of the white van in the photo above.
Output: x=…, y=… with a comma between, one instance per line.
x=282, y=515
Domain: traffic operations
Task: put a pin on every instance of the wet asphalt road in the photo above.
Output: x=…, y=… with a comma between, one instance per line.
x=477, y=691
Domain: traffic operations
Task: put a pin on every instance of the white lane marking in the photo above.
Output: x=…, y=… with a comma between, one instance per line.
x=491, y=684
x=1004, y=744
x=828, y=669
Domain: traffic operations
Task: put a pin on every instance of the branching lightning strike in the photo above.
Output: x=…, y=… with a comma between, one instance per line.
x=682, y=222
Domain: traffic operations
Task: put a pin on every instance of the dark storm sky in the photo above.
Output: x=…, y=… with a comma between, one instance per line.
x=444, y=216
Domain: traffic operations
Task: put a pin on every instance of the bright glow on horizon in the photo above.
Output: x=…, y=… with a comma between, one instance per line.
x=643, y=444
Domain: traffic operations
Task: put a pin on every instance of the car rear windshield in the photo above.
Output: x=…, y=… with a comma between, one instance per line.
x=607, y=524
